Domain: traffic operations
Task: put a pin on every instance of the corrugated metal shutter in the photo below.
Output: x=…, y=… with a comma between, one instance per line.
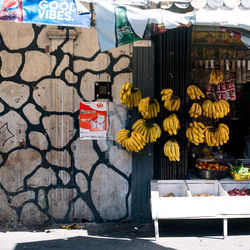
x=165, y=65
x=142, y=171
x=172, y=64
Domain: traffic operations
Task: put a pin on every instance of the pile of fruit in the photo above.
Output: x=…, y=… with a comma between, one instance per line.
x=237, y=192
x=203, y=195
x=211, y=166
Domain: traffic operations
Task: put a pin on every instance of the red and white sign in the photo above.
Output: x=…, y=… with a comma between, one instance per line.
x=93, y=120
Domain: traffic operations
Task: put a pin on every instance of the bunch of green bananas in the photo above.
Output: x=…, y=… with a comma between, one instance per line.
x=149, y=108
x=217, y=136
x=151, y=131
x=171, y=101
x=216, y=77
x=130, y=96
x=195, y=133
x=172, y=150
x=194, y=92
x=217, y=109
x=195, y=110
x=171, y=124
x=131, y=141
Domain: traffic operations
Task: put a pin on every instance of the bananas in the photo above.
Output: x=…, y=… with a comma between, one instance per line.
x=130, y=96
x=194, y=92
x=171, y=124
x=131, y=141
x=150, y=131
x=216, y=77
x=172, y=150
x=171, y=102
x=149, y=108
x=217, y=109
x=166, y=94
x=217, y=136
x=195, y=133
x=195, y=110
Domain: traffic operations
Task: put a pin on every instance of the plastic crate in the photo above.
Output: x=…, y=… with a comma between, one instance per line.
x=240, y=177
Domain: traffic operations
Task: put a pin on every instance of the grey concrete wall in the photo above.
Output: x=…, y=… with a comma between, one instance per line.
x=47, y=174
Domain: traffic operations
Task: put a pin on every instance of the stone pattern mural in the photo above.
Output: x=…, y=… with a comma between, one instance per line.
x=46, y=173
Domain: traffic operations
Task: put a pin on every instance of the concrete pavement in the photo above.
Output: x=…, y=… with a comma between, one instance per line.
x=183, y=235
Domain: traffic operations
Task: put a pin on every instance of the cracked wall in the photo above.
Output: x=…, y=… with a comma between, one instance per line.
x=46, y=173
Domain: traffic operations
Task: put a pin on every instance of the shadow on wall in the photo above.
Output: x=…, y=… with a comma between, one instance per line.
x=88, y=243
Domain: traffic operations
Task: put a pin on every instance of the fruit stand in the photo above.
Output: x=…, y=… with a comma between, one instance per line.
x=202, y=199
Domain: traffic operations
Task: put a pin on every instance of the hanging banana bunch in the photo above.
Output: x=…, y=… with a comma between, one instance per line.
x=150, y=131
x=216, y=77
x=171, y=124
x=195, y=133
x=131, y=141
x=149, y=108
x=130, y=96
x=217, y=136
x=194, y=92
x=172, y=150
x=215, y=110
x=171, y=102
x=195, y=110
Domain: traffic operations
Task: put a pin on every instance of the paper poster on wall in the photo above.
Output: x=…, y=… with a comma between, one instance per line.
x=93, y=120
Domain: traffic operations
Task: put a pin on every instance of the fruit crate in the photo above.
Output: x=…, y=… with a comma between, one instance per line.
x=206, y=197
x=240, y=177
x=208, y=187
x=236, y=205
x=176, y=187
x=184, y=204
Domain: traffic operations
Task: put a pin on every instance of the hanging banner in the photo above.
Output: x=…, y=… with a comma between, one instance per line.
x=117, y=25
x=49, y=12
x=93, y=120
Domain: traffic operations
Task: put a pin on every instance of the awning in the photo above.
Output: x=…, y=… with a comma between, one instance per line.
x=118, y=24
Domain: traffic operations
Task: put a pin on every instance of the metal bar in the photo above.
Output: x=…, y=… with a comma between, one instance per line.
x=225, y=228
x=156, y=225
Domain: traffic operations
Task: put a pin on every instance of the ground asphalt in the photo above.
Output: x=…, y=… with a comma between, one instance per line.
x=174, y=234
